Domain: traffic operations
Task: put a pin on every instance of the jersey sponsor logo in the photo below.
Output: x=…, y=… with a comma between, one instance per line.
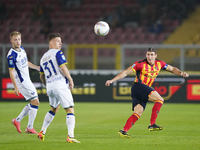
x=63, y=57
x=152, y=71
x=24, y=60
x=54, y=79
x=151, y=76
x=133, y=65
x=10, y=62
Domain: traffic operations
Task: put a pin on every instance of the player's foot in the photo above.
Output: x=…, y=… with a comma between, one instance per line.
x=72, y=140
x=124, y=134
x=155, y=127
x=40, y=136
x=17, y=125
x=30, y=131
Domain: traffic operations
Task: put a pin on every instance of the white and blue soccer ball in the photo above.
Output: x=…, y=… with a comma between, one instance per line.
x=101, y=28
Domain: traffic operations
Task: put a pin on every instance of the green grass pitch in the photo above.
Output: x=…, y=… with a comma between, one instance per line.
x=97, y=126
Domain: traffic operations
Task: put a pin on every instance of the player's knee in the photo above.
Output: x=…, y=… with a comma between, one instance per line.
x=35, y=102
x=139, y=110
x=69, y=110
x=161, y=99
x=54, y=110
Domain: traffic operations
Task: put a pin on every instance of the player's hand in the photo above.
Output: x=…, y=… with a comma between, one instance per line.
x=17, y=91
x=184, y=74
x=108, y=82
x=71, y=85
x=38, y=68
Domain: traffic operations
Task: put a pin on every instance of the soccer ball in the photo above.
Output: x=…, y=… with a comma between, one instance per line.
x=101, y=28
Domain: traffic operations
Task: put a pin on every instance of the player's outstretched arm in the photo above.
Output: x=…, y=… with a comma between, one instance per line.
x=32, y=66
x=176, y=71
x=120, y=76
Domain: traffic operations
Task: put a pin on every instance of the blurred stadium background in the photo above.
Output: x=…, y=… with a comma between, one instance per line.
x=131, y=22
x=172, y=27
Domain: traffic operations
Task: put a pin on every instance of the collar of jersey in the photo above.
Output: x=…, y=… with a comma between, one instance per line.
x=17, y=50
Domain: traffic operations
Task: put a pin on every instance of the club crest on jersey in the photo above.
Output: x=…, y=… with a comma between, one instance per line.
x=32, y=93
x=155, y=68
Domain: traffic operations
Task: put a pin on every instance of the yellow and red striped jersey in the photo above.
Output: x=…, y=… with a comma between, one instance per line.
x=146, y=73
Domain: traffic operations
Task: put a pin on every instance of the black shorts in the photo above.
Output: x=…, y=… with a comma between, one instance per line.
x=140, y=94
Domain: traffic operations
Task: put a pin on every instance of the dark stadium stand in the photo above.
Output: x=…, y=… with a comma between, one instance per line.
x=76, y=24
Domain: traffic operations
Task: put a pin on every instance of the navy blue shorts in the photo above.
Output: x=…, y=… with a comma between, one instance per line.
x=140, y=94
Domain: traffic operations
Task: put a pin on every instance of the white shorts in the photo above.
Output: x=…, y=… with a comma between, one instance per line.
x=60, y=96
x=28, y=90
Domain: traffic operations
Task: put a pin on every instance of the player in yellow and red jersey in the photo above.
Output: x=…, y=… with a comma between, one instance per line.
x=141, y=92
x=146, y=73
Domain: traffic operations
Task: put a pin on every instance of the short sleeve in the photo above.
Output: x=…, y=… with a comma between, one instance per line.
x=60, y=57
x=135, y=66
x=41, y=70
x=11, y=60
x=164, y=66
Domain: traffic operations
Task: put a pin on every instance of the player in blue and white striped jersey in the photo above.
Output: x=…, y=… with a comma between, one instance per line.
x=19, y=73
x=58, y=81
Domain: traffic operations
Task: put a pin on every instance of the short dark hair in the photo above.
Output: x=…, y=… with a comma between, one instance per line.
x=151, y=49
x=53, y=36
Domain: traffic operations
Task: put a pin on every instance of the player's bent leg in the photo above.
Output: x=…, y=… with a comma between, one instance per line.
x=154, y=95
x=158, y=102
x=138, y=109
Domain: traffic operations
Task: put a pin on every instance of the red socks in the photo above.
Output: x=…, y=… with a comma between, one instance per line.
x=131, y=120
x=155, y=111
